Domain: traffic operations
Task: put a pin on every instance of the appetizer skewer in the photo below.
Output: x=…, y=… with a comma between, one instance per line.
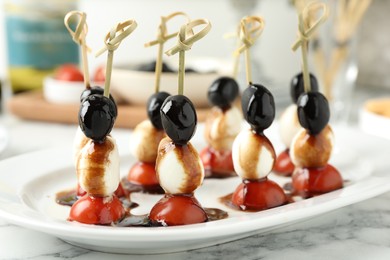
x=98, y=161
x=148, y=134
x=289, y=124
x=253, y=153
x=312, y=146
x=178, y=167
x=79, y=37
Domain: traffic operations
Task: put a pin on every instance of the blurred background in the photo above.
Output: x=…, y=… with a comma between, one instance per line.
x=365, y=65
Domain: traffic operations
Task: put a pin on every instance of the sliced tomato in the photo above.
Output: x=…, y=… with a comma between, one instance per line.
x=174, y=210
x=258, y=195
x=97, y=210
x=313, y=181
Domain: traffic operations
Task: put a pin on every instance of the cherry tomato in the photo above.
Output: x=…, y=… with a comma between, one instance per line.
x=217, y=161
x=69, y=72
x=258, y=195
x=283, y=164
x=143, y=174
x=174, y=210
x=100, y=74
x=312, y=181
x=98, y=211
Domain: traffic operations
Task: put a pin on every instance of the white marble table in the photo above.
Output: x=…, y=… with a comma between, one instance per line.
x=360, y=231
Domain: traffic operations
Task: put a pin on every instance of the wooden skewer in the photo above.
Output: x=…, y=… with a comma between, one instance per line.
x=251, y=28
x=186, y=38
x=162, y=37
x=306, y=28
x=112, y=42
x=78, y=36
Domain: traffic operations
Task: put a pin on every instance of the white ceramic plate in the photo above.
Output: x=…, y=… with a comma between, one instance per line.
x=28, y=185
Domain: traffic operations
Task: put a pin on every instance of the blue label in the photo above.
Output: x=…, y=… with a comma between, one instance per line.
x=42, y=44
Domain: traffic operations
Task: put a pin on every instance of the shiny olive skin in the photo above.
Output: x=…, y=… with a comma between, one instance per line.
x=97, y=117
x=297, y=86
x=258, y=107
x=153, y=107
x=222, y=92
x=179, y=118
x=313, y=112
x=96, y=90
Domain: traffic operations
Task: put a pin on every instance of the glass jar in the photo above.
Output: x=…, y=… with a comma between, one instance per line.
x=37, y=40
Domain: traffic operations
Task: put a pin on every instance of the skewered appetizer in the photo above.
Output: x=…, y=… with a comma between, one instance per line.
x=222, y=126
x=311, y=148
x=97, y=163
x=79, y=37
x=148, y=134
x=289, y=124
x=179, y=167
x=254, y=155
x=144, y=146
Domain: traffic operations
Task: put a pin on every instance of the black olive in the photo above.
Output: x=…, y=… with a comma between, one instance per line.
x=97, y=116
x=313, y=112
x=153, y=106
x=222, y=92
x=151, y=67
x=96, y=90
x=258, y=107
x=179, y=118
x=297, y=86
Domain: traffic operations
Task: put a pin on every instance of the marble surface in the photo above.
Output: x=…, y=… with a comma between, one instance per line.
x=360, y=231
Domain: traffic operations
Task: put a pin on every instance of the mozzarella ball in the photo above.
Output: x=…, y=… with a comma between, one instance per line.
x=78, y=143
x=253, y=155
x=98, y=167
x=222, y=127
x=289, y=125
x=144, y=141
x=179, y=169
x=312, y=150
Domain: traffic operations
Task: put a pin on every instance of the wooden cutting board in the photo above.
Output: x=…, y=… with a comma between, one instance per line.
x=33, y=106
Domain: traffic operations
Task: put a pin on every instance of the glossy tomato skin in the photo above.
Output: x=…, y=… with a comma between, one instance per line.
x=143, y=174
x=283, y=164
x=97, y=210
x=69, y=72
x=175, y=210
x=258, y=195
x=308, y=182
x=217, y=162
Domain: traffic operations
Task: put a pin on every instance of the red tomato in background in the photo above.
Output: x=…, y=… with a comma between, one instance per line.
x=100, y=74
x=69, y=72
